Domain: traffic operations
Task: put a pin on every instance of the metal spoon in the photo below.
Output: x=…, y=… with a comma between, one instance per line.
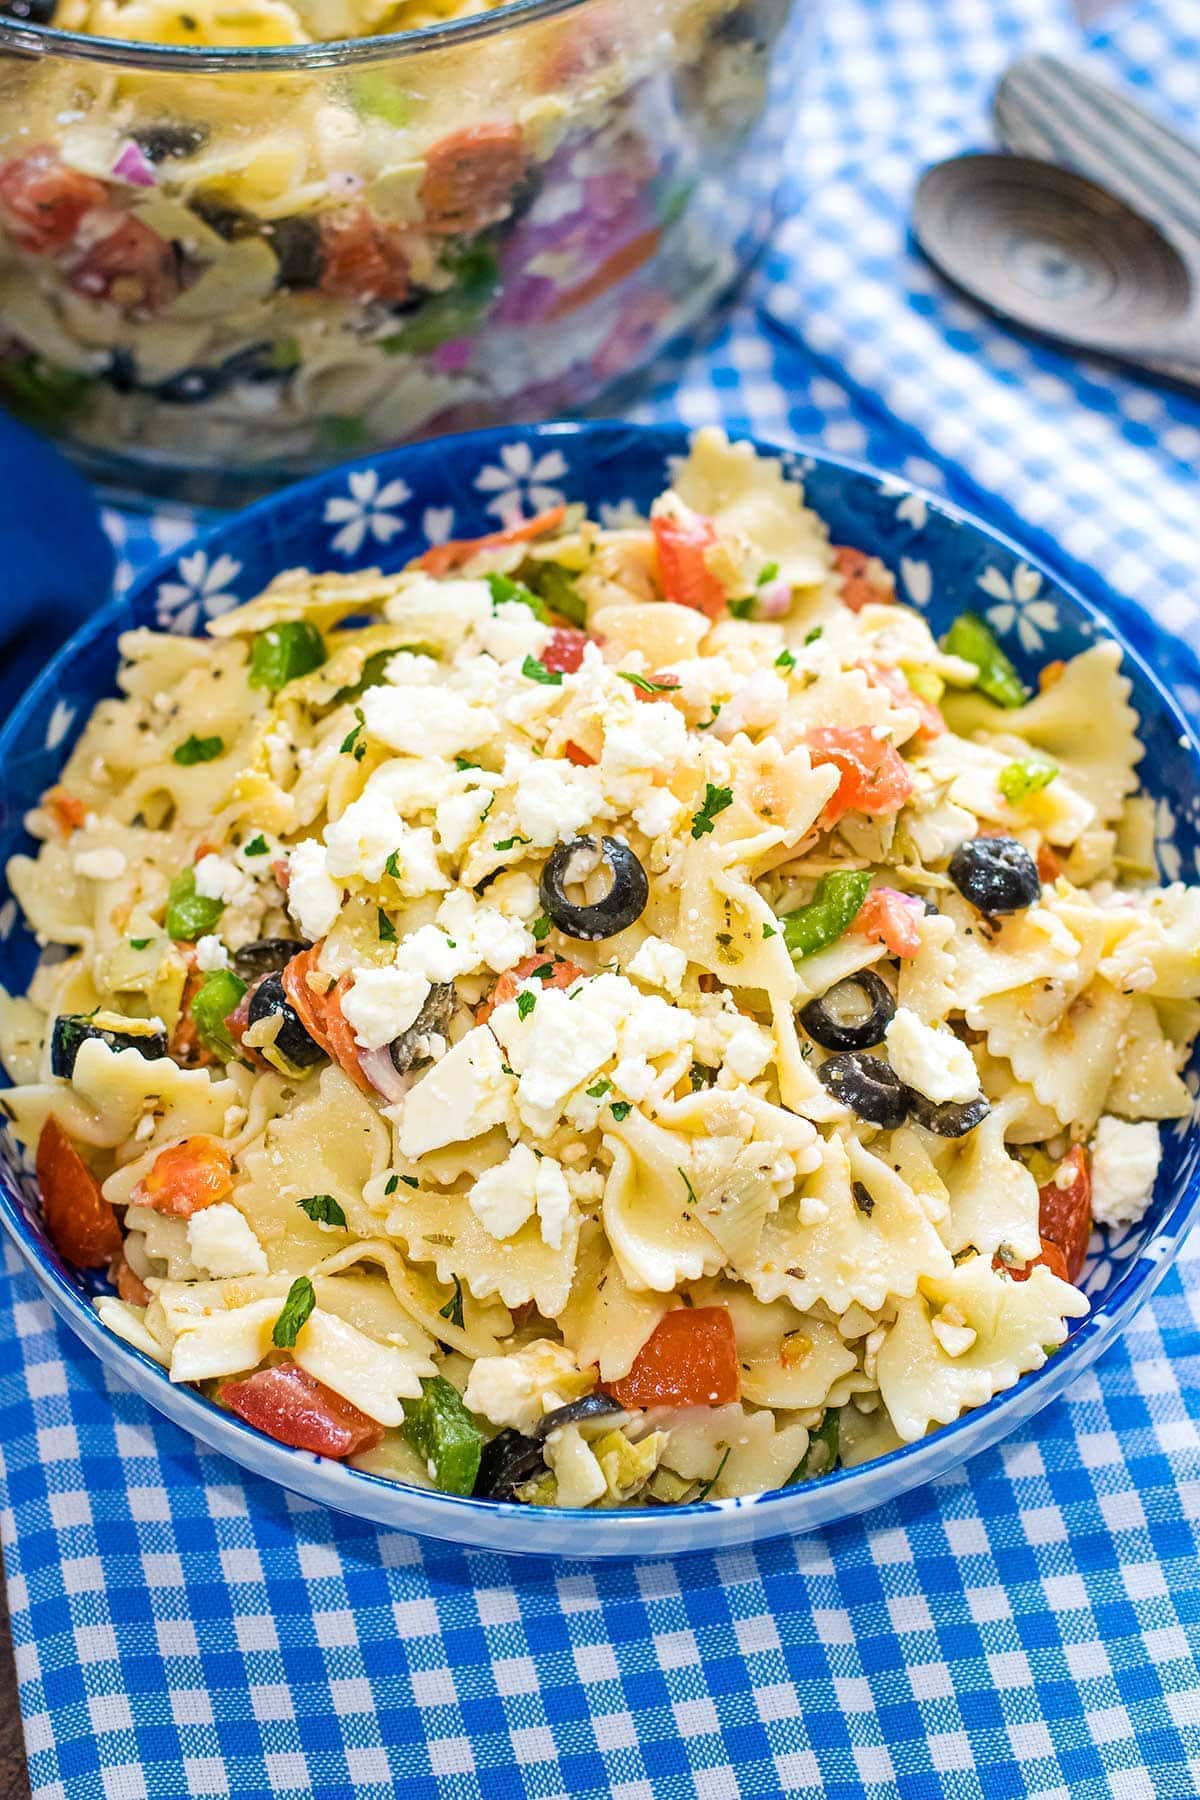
x=1110, y=266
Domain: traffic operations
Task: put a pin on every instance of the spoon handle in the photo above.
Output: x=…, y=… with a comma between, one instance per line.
x=1047, y=109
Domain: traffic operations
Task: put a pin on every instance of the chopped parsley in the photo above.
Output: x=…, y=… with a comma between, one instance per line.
x=525, y=1004
x=691, y=1192
x=541, y=929
x=543, y=972
x=392, y=865
x=644, y=685
x=537, y=671
x=139, y=943
x=391, y=1184
x=706, y=1487
x=350, y=743
x=769, y=931
x=198, y=750
x=504, y=589
x=322, y=1209
x=410, y=1181
x=387, y=931
x=598, y=1089
x=487, y=809
x=716, y=799
x=453, y=1309
x=463, y=763
x=816, y=632
x=768, y=572
x=742, y=609
x=509, y=842
x=716, y=713
x=621, y=1109
x=785, y=660
x=257, y=846
x=300, y=1301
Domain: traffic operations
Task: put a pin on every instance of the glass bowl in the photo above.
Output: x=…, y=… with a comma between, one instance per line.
x=224, y=268
x=385, y=510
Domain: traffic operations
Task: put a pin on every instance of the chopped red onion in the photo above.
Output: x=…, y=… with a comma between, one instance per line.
x=132, y=166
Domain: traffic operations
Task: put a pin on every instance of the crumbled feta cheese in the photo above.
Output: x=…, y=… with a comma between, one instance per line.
x=931, y=1059
x=659, y=813
x=659, y=963
x=513, y=633
x=313, y=900
x=369, y=833
x=555, y=800
x=441, y=723
x=633, y=1077
x=755, y=706
x=463, y=1095
x=650, y=740
x=211, y=954
x=1125, y=1160
x=409, y=668
x=748, y=1051
x=217, y=878
x=222, y=1244
x=563, y=1043
x=504, y=1197
x=101, y=865
x=458, y=818
x=381, y=1003
x=431, y=953
x=813, y=1211
x=519, y=1389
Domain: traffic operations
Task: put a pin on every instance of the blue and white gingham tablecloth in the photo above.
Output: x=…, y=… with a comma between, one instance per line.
x=1027, y=1626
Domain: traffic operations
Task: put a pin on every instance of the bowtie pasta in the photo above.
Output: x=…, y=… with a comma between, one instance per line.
x=605, y=1015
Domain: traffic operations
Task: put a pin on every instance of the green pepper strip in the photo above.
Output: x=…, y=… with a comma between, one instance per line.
x=505, y=589
x=189, y=914
x=440, y=1429
x=560, y=593
x=831, y=911
x=822, y=1453
x=214, y=1000
x=284, y=652
x=1017, y=780
x=974, y=640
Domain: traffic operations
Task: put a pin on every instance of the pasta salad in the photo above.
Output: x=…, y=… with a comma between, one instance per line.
x=611, y=1014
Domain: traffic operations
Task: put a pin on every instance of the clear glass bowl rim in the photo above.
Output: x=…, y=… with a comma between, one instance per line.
x=29, y=41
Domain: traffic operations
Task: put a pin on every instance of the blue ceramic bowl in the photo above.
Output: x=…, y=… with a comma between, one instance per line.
x=382, y=512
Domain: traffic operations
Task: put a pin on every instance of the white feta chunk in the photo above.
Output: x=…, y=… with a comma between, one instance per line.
x=1125, y=1160
x=931, y=1059
x=381, y=1003
x=466, y=1093
x=211, y=954
x=217, y=878
x=513, y=633
x=661, y=964
x=106, y=864
x=555, y=800
x=222, y=1244
x=442, y=723
x=519, y=1389
x=313, y=899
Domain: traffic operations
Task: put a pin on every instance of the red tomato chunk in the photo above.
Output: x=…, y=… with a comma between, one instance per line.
x=564, y=650
x=42, y=201
x=893, y=918
x=689, y=1359
x=1065, y=1211
x=684, y=574
x=186, y=1177
x=470, y=176
x=874, y=778
x=289, y=1404
x=80, y=1223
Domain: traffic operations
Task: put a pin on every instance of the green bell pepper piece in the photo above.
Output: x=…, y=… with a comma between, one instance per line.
x=454, y=314
x=41, y=393
x=1017, y=780
x=189, y=914
x=974, y=640
x=284, y=652
x=558, y=589
x=439, y=1428
x=831, y=911
x=504, y=589
x=212, y=1003
x=822, y=1453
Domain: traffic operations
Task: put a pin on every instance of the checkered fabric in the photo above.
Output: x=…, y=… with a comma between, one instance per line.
x=1029, y=1626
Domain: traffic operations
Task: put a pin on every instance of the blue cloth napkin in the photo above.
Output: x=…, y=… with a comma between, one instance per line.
x=56, y=564
x=1029, y=1626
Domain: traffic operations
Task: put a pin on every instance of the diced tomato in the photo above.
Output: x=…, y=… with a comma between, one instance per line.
x=203, y=849
x=67, y=809
x=932, y=724
x=874, y=778
x=575, y=753
x=689, y=1359
x=683, y=571
x=43, y=202
x=1051, y=673
x=470, y=176
x=80, y=1222
x=631, y=255
x=132, y=267
x=439, y=559
x=186, y=1177
x=564, y=650
x=292, y=1406
x=322, y=1017
x=893, y=918
x=363, y=258
x=281, y=870
x=185, y=1046
x=1065, y=1211
x=864, y=580
x=1049, y=865
x=561, y=974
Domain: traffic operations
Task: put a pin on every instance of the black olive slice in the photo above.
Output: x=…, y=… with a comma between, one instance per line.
x=162, y=141
x=624, y=902
x=296, y=242
x=291, y=1041
x=852, y=1015
x=510, y=1457
x=950, y=1119
x=868, y=1086
x=411, y=1048
x=591, y=1406
x=72, y=1030
x=996, y=874
x=267, y=956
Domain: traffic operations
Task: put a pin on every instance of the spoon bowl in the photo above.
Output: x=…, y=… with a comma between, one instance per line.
x=1053, y=251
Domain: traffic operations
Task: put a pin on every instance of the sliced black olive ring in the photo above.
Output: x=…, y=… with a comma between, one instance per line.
x=72, y=1030
x=411, y=1048
x=996, y=874
x=624, y=902
x=291, y=1041
x=852, y=1015
x=868, y=1086
x=267, y=956
x=950, y=1119
x=514, y=1456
